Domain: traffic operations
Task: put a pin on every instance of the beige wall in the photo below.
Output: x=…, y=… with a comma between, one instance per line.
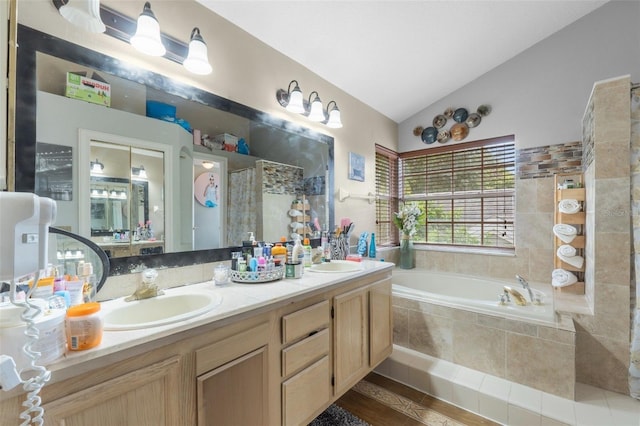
x=245, y=70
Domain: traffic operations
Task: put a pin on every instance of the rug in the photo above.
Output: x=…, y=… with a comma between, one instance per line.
x=404, y=405
x=337, y=416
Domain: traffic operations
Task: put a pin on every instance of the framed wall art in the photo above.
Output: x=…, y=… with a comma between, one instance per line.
x=356, y=167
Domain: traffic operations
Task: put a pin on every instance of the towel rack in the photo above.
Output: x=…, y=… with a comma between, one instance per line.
x=576, y=219
x=343, y=194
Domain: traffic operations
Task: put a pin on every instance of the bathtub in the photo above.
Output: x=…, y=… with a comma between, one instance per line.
x=471, y=294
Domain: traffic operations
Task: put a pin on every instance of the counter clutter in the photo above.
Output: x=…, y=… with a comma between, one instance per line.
x=273, y=339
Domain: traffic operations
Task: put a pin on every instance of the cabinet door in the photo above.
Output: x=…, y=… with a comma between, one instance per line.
x=143, y=397
x=235, y=393
x=306, y=393
x=351, y=338
x=380, y=322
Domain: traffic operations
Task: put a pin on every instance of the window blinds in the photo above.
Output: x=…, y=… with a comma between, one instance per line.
x=467, y=190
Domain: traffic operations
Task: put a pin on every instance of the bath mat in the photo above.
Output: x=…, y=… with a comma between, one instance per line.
x=404, y=405
x=337, y=416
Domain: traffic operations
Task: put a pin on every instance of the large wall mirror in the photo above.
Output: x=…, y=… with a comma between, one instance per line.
x=109, y=207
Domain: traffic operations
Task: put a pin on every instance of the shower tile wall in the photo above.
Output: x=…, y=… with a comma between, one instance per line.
x=602, y=339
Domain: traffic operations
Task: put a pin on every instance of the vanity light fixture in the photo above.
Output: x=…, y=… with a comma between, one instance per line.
x=316, y=113
x=147, y=37
x=197, y=60
x=292, y=100
x=333, y=116
x=207, y=164
x=82, y=13
x=97, y=167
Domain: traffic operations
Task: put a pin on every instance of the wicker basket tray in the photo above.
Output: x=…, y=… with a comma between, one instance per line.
x=258, y=277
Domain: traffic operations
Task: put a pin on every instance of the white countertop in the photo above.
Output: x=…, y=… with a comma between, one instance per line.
x=237, y=299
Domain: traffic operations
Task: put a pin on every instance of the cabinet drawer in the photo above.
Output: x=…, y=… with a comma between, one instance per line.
x=306, y=393
x=305, y=352
x=300, y=323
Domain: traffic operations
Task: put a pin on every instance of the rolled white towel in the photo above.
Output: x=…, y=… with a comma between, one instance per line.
x=566, y=233
x=563, y=278
x=566, y=250
x=575, y=261
x=569, y=206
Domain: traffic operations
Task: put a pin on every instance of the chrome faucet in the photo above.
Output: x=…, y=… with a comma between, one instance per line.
x=511, y=292
x=525, y=285
x=146, y=288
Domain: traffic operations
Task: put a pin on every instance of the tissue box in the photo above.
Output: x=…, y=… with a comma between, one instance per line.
x=88, y=89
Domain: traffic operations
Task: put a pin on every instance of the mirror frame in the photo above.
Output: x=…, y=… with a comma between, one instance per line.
x=31, y=41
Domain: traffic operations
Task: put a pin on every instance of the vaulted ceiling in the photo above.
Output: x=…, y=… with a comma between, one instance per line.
x=399, y=57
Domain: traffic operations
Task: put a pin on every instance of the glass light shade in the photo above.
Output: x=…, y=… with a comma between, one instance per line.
x=197, y=59
x=207, y=164
x=147, y=37
x=296, y=102
x=334, y=120
x=138, y=173
x=316, y=113
x=97, y=167
x=84, y=14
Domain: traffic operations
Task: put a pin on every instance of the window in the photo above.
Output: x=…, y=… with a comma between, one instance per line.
x=386, y=195
x=467, y=191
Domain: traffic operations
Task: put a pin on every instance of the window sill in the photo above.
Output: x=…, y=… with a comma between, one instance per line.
x=467, y=250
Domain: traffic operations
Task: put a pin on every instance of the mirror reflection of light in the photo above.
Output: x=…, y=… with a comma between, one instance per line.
x=97, y=167
x=138, y=173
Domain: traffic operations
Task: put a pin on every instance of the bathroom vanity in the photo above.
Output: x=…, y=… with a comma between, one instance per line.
x=270, y=354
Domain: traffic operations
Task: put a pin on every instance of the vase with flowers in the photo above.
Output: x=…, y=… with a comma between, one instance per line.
x=406, y=220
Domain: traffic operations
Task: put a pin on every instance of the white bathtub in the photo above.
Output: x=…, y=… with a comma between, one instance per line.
x=470, y=293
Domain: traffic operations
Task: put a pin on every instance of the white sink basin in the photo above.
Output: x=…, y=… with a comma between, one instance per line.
x=337, y=266
x=160, y=310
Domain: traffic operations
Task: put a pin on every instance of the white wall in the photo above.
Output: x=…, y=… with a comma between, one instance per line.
x=540, y=95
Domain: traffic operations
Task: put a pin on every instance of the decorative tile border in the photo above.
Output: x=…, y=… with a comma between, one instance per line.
x=545, y=161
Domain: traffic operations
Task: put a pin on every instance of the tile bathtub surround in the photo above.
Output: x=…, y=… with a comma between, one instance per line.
x=514, y=350
x=504, y=401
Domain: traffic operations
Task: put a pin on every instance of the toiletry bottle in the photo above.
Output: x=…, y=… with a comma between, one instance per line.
x=307, y=253
x=372, y=246
x=298, y=254
x=279, y=253
x=242, y=265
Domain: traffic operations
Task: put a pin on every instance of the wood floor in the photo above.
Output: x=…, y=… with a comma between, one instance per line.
x=378, y=413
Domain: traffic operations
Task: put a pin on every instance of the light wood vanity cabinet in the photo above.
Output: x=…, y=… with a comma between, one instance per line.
x=142, y=397
x=306, y=366
x=232, y=379
x=274, y=366
x=363, y=332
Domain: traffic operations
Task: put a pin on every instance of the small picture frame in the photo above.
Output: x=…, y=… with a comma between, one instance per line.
x=356, y=167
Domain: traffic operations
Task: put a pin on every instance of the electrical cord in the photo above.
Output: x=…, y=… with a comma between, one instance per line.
x=33, y=413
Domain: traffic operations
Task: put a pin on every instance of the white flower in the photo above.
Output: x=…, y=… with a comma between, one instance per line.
x=407, y=219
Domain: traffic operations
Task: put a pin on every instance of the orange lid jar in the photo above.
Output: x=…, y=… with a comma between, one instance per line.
x=83, y=326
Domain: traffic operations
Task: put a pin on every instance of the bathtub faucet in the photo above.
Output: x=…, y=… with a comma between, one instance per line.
x=512, y=292
x=534, y=299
